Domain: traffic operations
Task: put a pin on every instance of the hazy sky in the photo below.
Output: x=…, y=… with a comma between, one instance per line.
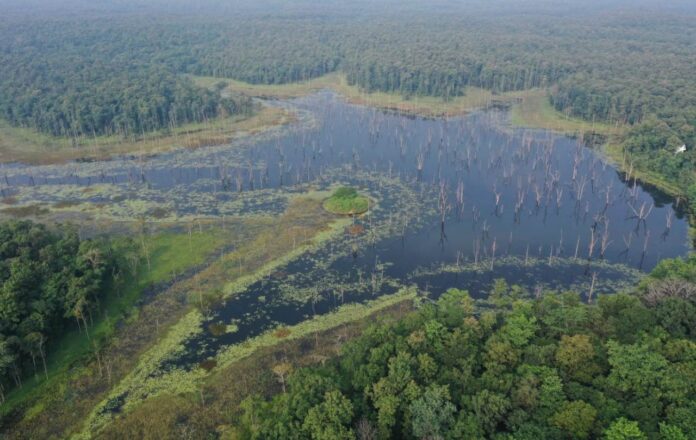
x=327, y=7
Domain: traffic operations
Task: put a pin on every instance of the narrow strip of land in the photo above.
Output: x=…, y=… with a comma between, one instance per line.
x=428, y=106
x=28, y=146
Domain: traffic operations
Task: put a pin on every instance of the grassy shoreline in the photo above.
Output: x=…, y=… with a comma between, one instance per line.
x=30, y=147
x=615, y=154
x=535, y=111
x=168, y=255
x=426, y=106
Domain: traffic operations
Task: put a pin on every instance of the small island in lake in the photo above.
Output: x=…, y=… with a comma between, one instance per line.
x=347, y=201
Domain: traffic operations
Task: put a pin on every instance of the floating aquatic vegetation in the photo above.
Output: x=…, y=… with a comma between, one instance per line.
x=179, y=203
x=343, y=314
x=149, y=379
x=217, y=328
x=537, y=275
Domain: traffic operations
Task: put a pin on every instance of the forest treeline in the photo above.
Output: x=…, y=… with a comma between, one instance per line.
x=547, y=368
x=50, y=282
x=127, y=73
x=81, y=79
x=633, y=70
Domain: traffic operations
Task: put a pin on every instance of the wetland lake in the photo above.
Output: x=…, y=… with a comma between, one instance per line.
x=457, y=202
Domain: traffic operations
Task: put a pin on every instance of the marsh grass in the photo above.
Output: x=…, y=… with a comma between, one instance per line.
x=341, y=316
x=473, y=99
x=208, y=364
x=215, y=407
x=173, y=376
x=546, y=276
x=256, y=242
x=535, y=111
x=65, y=204
x=355, y=230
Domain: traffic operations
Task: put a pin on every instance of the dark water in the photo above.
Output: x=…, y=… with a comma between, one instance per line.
x=551, y=190
x=507, y=196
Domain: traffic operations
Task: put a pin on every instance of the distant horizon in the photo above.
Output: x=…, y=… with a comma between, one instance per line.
x=333, y=7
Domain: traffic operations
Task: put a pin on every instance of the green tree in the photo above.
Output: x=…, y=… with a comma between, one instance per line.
x=46, y=277
x=432, y=413
x=576, y=418
x=626, y=316
x=519, y=326
x=489, y=409
x=623, y=429
x=670, y=432
x=330, y=420
x=455, y=305
x=576, y=357
x=635, y=369
x=677, y=316
x=7, y=359
x=551, y=394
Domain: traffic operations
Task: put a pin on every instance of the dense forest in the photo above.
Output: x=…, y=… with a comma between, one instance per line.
x=50, y=281
x=552, y=367
x=77, y=79
x=126, y=74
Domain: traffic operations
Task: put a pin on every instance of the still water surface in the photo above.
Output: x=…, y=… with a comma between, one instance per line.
x=468, y=192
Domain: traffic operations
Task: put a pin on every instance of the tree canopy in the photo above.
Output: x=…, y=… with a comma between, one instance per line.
x=48, y=280
x=552, y=367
